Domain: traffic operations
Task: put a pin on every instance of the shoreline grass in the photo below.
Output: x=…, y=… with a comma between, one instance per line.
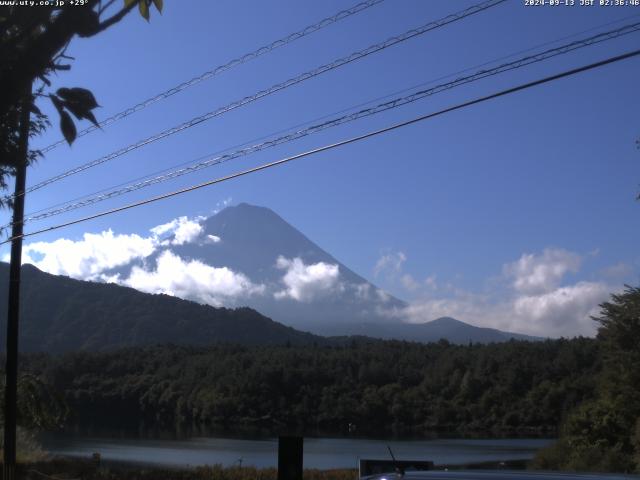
x=67, y=468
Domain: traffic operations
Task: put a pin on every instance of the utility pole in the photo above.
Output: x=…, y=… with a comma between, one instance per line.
x=13, y=316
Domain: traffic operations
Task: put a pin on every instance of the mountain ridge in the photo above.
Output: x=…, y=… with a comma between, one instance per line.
x=346, y=312
x=255, y=243
x=251, y=240
x=450, y=329
x=60, y=314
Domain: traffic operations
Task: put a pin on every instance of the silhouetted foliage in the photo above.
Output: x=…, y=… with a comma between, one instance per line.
x=39, y=407
x=77, y=468
x=516, y=387
x=33, y=44
x=603, y=434
x=60, y=314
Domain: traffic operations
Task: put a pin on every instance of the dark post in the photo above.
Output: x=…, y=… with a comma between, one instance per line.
x=11, y=369
x=290, y=458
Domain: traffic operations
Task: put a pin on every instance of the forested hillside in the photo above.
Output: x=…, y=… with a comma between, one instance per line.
x=603, y=433
x=510, y=387
x=60, y=314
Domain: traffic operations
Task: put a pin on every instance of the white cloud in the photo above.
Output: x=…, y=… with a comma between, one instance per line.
x=383, y=296
x=91, y=258
x=306, y=282
x=87, y=258
x=363, y=290
x=95, y=253
x=192, y=280
x=536, y=304
x=421, y=311
x=390, y=263
x=533, y=274
x=103, y=277
x=409, y=282
x=618, y=271
x=187, y=232
x=183, y=230
x=367, y=292
x=164, y=228
x=222, y=204
x=565, y=311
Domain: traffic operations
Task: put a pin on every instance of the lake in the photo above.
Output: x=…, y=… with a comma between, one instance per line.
x=322, y=453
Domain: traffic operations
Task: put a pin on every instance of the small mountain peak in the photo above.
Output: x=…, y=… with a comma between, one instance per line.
x=246, y=209
x=250, y=219
x=448, y=320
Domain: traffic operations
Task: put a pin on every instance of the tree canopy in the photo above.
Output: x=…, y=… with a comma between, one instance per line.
x=603, y=434
x=33, y=45
x=382, y=386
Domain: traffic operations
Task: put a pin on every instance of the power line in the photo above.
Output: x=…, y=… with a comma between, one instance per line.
x=273, y=89
x=358, y=138
x=85, y=201
x=325, y=22
x=343, y=110
x=295, y=135
x=323, y=117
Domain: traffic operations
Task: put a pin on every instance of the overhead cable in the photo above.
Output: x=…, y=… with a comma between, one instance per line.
x=273, y=89
x=341, y=143
x=247, y=57
x=382, y=107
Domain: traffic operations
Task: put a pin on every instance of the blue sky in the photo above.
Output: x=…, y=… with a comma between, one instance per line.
x=456, y=200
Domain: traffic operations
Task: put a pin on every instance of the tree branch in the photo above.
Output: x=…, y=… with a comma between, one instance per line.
x=57, y=34
x=115, y=18
x=106, y=5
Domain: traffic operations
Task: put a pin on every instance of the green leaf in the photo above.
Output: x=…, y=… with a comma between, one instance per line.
x=68, y=127
x=144, y=9
x=159, y=4
x=128, y=3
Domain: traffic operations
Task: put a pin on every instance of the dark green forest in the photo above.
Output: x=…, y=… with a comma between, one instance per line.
x=586, y=391
x=603, y=432
x=513, y=387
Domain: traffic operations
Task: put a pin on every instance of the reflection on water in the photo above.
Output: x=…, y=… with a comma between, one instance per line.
x=318, y=452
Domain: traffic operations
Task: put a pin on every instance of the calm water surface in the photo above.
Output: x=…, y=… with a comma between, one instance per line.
x=320, y=453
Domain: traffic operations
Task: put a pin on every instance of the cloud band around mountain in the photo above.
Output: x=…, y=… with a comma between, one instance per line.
x=307, y=282
x=94, y=255
x=535, y=300
x=536, y=294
